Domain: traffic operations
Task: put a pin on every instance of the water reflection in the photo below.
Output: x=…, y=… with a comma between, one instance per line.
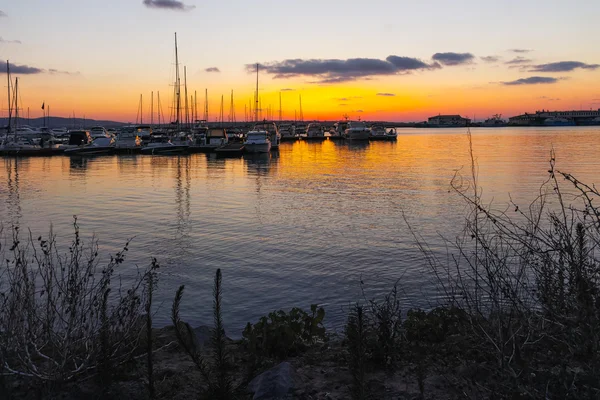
x=78, y=165
x=14, y=197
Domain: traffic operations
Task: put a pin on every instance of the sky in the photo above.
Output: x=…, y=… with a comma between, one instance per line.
x=377, y=60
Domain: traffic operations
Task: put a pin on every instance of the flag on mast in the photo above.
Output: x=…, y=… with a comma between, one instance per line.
x=43, y=104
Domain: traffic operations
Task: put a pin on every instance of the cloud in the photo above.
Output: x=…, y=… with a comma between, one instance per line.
x=3, y=14
x=342, y=99
x=451, y=59
x=2, y=40
x=490, y=59
x=20, y=69
x=168, y=4
x=521, y=50
x=386, y=94
x=336, y=70
x=548, y=98
x=533, y=80
x=343, y=104
x=287, y=90
x=563, y=66
x=359, y=111
x=212, y=69
x=55, y=71
x=518, y=61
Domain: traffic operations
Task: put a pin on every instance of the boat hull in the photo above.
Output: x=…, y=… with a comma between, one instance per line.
x=358, y=135
x=172, y=149
x=257, y=147
x=89, y=151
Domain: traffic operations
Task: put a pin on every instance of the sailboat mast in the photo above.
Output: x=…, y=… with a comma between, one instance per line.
x=177, y=84
x=256, y=99
x=158, y=107
x=141, y=111
x=195, y=106
x=301, y=114
x=9, y=103
x=205, y=105
x=187, y=119
x=151, y=108
x=279, y=106
x=16, y=106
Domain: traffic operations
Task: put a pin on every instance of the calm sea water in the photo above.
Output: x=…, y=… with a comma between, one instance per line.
x=304, y=225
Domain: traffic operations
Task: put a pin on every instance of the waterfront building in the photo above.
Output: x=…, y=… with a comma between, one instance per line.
x=576, y=117
x=443, y=121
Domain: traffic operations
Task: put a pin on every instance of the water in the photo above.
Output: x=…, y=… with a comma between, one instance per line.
x=301, y=226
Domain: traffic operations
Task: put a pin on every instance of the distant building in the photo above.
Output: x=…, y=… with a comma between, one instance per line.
x=545, y=117
x=448, y=121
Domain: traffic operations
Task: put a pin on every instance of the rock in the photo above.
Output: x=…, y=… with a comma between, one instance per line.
x=274, y=383
x=203, y=335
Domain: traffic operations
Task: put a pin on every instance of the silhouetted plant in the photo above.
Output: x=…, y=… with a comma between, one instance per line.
x=386, y=324
x=282, y=334
x=216, y=372
x=356, y=337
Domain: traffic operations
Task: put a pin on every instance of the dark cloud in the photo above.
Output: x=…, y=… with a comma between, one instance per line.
x=410, y=64
x=2, y=40
x=563, y=66
x=336, y=70
x=453, y=58
x=518, y=61
x=212, y=69
x=287, y=90
x=386, y=94
x=3, y=14
x=56, y=71
x=168, y=4
x=521, y=50
x=490, y=59
x=533, y=80
x=20, y=69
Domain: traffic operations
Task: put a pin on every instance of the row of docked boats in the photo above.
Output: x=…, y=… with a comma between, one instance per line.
x=262, y=137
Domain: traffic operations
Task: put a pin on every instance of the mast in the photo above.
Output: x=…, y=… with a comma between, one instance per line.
x=16, y=95
x=232, y=109
x=205, y=105
x=151, y=108
x=221, y=113
x=48, y=116
x=158, y=108
x=9, y=99
x=256, y=97
x=141, y=111
x=301, y=114
x=195, y=106
x=187, y=119
x=177, y=85
x=279, y=106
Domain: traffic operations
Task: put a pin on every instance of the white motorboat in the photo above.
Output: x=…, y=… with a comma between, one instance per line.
x=314, y=131
x=271, y=128
x=100, y=145
x=338, y=130
x=357, y=130
x=391, y=134
x=257, y=142
x=287, y=132
x=128, y=140
x=98, y=132
x=377, y=132
x=77, y=139
x=162, y=145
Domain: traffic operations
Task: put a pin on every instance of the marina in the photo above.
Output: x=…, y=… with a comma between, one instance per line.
x=289, y=228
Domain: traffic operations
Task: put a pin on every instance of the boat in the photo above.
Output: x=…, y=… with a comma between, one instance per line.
x=300, y=129
x=206, y=139
x=315, y=132
x=287, y=132
x=494, y=122
x=357, y=130
x=160, y=144
x=98, y=132
x=77, y=139
x=377, y=132
x=271, y=128
x=128, y=141
x=337, y=132
x=257, y=142
x=391, y=134
x=100, y=145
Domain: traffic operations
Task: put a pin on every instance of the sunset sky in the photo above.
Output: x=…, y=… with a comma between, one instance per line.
x=381, y=59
